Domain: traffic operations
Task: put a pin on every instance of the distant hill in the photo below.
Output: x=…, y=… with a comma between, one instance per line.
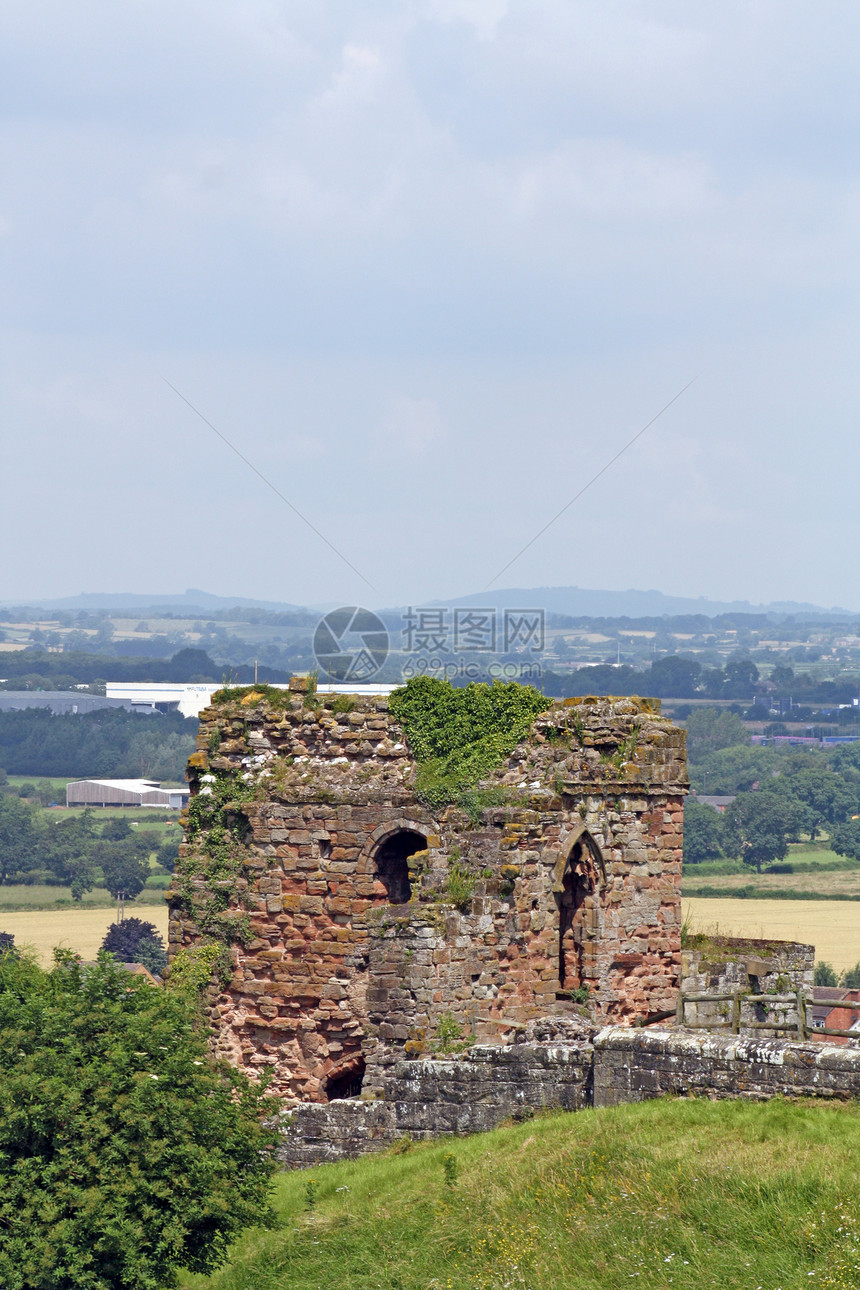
x=570, y=602
x=579, y=602
x=190, y=600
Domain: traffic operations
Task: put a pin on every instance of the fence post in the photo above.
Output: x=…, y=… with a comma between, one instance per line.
x=801, y=1015
x=736, y=1013
x=679, y=1009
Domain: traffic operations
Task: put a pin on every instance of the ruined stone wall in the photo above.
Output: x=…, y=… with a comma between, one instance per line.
x=327, y=979
x=483, y=1088
x=633, y=1065
x=463, y=1095
x=721, y=965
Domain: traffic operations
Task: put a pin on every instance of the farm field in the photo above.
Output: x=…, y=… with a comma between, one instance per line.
x=39, y=896
x=840, y=883
x=832, y=927
x=82, y=930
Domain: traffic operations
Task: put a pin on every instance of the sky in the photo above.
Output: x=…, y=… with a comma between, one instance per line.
x=429, y=265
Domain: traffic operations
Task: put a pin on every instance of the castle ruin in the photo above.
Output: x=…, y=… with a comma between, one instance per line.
x=345, y=925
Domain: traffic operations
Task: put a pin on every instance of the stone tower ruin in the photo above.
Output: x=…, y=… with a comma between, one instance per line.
x=342, y=923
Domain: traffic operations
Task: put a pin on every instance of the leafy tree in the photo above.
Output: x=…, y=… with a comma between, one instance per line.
x=134, y=941
x=125, y=1153
x=110, y=742
x=735, y=769
x=710, y=729
x=783, y=677
x=712, y=681
x=797, y=817
x=125, y=869
x=19, y=835
x=824, y=974
x=703, y=832
x=67, y=849
x=825, y=794
x=851, y=978
x=167, y=855
x=673, y=677
x=741, y=678
x=845, y=839
x=117, y=830
x=754, y=829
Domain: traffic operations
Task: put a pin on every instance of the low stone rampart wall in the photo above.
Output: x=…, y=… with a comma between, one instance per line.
x=461, y=1095
x=480, y=1090
x=319, y=1132
x=630, y=1066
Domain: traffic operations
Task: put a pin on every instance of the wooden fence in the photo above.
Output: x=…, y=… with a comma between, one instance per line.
x=800, y=1029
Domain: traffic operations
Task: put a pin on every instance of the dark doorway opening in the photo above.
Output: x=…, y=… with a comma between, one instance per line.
x=576, y=920
x=346, y=1083
x=392, y=863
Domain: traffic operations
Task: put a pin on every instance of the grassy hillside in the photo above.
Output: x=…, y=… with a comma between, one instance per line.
x=687, y=1194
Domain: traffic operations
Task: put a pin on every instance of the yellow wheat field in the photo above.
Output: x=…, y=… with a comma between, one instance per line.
x=81, y=930
x=832, y=926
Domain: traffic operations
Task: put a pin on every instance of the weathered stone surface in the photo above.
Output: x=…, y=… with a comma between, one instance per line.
x=489, y=1085
x=574, y=886
x=631, y=1065
x=461, y=1095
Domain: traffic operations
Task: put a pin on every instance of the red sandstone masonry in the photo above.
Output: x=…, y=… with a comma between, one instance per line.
x=336, y=978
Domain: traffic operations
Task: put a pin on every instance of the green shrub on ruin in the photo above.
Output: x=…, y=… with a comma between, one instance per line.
x=460, y=736
x=205, y=880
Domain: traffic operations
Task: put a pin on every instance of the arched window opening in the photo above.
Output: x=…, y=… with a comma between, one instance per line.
x=346, y=1083
x=576, y=903
x=392, y=863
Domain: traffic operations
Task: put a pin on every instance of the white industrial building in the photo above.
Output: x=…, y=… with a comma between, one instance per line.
x=163, y=696
x=125, y=792
x=190, y=699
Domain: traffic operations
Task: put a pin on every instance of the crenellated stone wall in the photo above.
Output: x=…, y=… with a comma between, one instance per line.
x=363, y=927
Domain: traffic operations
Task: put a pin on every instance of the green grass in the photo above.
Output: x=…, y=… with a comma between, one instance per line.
x=683, y=1193
x=58, y=784
x=804, y=857
x=40, y=896
x=750, y=891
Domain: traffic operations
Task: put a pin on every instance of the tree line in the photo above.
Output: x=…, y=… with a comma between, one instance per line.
x=110, y=742
x=40, y=669
x=78, y=852
x=780, y=794
x=674, y=677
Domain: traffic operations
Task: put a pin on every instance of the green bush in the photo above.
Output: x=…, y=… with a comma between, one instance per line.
x=460, y=736
x=136, y=941
x=125, y=1153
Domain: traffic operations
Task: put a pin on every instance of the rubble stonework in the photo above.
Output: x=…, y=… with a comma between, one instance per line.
x=365, y=928
x=487, y=1086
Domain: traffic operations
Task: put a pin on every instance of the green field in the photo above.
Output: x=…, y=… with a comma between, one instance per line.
x=686, y=1194
x=39, y=896
x=816, y=873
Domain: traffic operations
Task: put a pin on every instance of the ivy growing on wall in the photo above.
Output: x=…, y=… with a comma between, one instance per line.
x=205, y=880
x=460, y=736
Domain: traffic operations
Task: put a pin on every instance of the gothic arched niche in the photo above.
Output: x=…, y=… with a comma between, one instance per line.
x=579, y=875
